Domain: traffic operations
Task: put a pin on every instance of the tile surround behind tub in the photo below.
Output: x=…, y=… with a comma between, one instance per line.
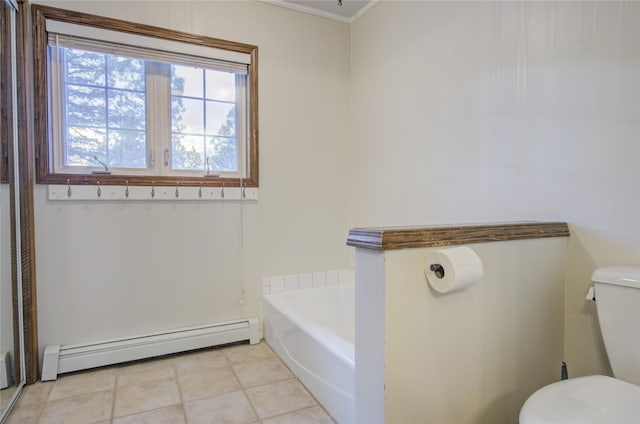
x=319, y=279
x=306, y=281
x=331, y=278
x=291, y=282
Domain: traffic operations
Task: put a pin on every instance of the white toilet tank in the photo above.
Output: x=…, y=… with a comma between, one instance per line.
x=617, y=292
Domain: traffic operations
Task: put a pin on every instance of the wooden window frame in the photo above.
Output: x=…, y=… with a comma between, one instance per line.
x=6, y=119
x=43, y=146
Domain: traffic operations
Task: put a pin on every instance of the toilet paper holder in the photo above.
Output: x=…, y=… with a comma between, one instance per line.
x=452, y=269
x=438, y=270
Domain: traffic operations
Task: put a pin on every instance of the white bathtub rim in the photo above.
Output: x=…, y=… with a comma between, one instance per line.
x=337, y=345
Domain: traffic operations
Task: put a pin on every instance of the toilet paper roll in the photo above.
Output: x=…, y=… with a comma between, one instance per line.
x=453, y=269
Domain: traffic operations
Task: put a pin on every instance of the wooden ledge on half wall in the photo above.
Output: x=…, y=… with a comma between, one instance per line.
x=390, y=238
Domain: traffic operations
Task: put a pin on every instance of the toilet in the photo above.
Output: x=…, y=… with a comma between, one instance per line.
x=598, y=398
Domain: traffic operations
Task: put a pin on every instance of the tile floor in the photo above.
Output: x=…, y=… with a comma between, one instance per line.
x=244, y=384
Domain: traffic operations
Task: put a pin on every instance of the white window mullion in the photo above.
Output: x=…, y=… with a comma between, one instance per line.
x=58, y=107
x=56, y=111
x=159, y=114
x=242, y=131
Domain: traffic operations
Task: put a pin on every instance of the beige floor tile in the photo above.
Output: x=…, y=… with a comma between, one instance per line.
x=247, y=353
x=145, y=397
x=145, y=371
x=150, y=393
x=313, y=415
x=30, y=403
x=228, y=408
x=24, y=415
x=209, y=382
x=85, y=382
x=36, y=393
x=265, y=371
x=169, y=415
x=194, y=363
x=79, y=409
x=279, y=398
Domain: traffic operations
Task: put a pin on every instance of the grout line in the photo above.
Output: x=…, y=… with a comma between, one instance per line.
x=44, y=404
x=304, y=409
x=115, y=393
x=253, y=408
x=301, y=383
x=274, y=356
x=244, y=392
x=182, y=403
x=39, y=415
x=292, y=377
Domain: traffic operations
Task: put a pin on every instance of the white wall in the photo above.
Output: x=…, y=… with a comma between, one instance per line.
x=470, y=356
x=490, y=111
x=113, y=269
x=460, y=112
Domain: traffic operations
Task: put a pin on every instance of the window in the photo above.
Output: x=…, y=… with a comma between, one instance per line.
x=119, y=101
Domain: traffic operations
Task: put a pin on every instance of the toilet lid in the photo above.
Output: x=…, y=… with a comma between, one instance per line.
x=593, y=399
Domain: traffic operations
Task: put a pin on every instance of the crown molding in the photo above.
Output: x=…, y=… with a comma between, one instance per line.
x=328, y=15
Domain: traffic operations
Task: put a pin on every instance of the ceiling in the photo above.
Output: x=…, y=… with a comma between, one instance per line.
x=349, y=11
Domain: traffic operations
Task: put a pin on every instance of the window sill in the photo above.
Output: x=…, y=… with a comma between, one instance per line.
x=150, y=193
x=144, y=180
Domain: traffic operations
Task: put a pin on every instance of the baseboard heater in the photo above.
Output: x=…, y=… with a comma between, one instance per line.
x=63, y=359
x=5, y=370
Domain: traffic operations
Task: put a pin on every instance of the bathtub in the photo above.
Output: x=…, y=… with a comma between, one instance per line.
x=312, y=330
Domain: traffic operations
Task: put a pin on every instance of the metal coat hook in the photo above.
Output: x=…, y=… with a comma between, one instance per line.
x=222, y=191
x=153, y=190
x=126, y=191
x=200, y=190
x=68, y=188
x=99, y=190
x=177, y=186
